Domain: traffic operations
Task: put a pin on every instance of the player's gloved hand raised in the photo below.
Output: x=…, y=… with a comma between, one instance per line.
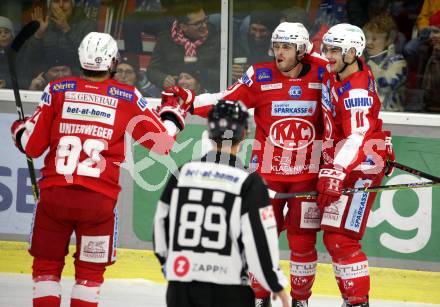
x=330, y=185
x=17, y=129
x=186, y=95
x=171, y=110
x=391, y=157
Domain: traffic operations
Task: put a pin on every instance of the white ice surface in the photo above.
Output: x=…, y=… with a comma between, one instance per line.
x=16, y=291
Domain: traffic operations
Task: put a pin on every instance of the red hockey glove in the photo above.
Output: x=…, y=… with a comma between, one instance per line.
x=330, y=184
x=389, y=169
x=171, y=110
x=186, y=95
x=17, y=129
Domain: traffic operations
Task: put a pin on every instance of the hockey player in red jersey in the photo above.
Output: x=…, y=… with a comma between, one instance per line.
x=354, y=153
x=285, y=95
x=81, y=122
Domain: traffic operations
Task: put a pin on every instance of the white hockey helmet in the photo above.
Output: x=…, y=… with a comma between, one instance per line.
x=346, y=36
x=292, y=33
x=98, y=52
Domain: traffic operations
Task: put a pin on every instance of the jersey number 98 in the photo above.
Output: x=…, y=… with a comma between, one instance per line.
x=69, y=150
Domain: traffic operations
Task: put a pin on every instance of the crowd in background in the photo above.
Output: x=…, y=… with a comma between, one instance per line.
x=166, y=42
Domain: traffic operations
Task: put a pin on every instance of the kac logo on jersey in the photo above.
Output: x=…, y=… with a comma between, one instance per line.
x=64, y=86
x=120, y=93
x=358, y=102
x=264, y=74
x=292, y=133
x=295, y=91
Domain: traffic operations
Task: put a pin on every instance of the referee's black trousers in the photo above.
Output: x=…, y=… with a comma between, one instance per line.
x=203, y=294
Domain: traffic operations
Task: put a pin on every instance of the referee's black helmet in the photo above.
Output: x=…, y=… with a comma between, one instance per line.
x=228, y=120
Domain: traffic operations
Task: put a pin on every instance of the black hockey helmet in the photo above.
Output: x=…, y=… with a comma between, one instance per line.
x=228, y=120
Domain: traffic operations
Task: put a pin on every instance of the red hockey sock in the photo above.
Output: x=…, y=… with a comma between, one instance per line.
x=303, y=261
x=350, y=266
x=47, y=301
x=79, y=303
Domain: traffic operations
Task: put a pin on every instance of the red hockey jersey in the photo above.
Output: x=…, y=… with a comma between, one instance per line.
x=350, y=110
x=287, y=114
x=83, y=123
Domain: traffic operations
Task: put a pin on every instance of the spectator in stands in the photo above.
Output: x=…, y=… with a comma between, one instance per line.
x=429, y=10
x=426, y=22
x=191, y=80
x=190, y=41
x=431, y=78
x=254, y=44
x=6, y=37
x=62, y=29
x=150, y=17
x=128, y=72
x=298, y=14
x=418, y=51
x=388, y=68
x=56, y=67
x=359, y=12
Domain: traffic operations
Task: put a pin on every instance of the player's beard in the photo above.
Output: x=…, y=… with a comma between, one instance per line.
x=287, y=66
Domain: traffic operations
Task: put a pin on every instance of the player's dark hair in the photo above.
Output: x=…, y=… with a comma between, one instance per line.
x=93, y=73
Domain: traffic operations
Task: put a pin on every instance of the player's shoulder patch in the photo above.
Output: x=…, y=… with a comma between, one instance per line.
x=120, y=93
x=140, y=100
x=343, y=88
x=246, y=79
x=372, y=84
x=46, y=98
x=63, y=85
x=321, y=71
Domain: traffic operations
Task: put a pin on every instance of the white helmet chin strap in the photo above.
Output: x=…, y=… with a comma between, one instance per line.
x=298, y=61
x=347, y=64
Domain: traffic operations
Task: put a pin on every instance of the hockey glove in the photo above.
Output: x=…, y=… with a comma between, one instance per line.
x=330, y=184
x=390, y=157
x=186, y=95
x=17, y=129
x=171, y=110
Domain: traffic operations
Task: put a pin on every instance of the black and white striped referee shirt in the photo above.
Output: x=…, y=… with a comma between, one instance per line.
x=214, y=222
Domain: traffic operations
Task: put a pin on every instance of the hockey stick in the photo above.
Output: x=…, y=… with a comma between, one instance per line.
x=314, y=194
x=413, y=171
x=27, y=31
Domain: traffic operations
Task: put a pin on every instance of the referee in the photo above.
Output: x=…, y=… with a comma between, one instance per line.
x=214, y=224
